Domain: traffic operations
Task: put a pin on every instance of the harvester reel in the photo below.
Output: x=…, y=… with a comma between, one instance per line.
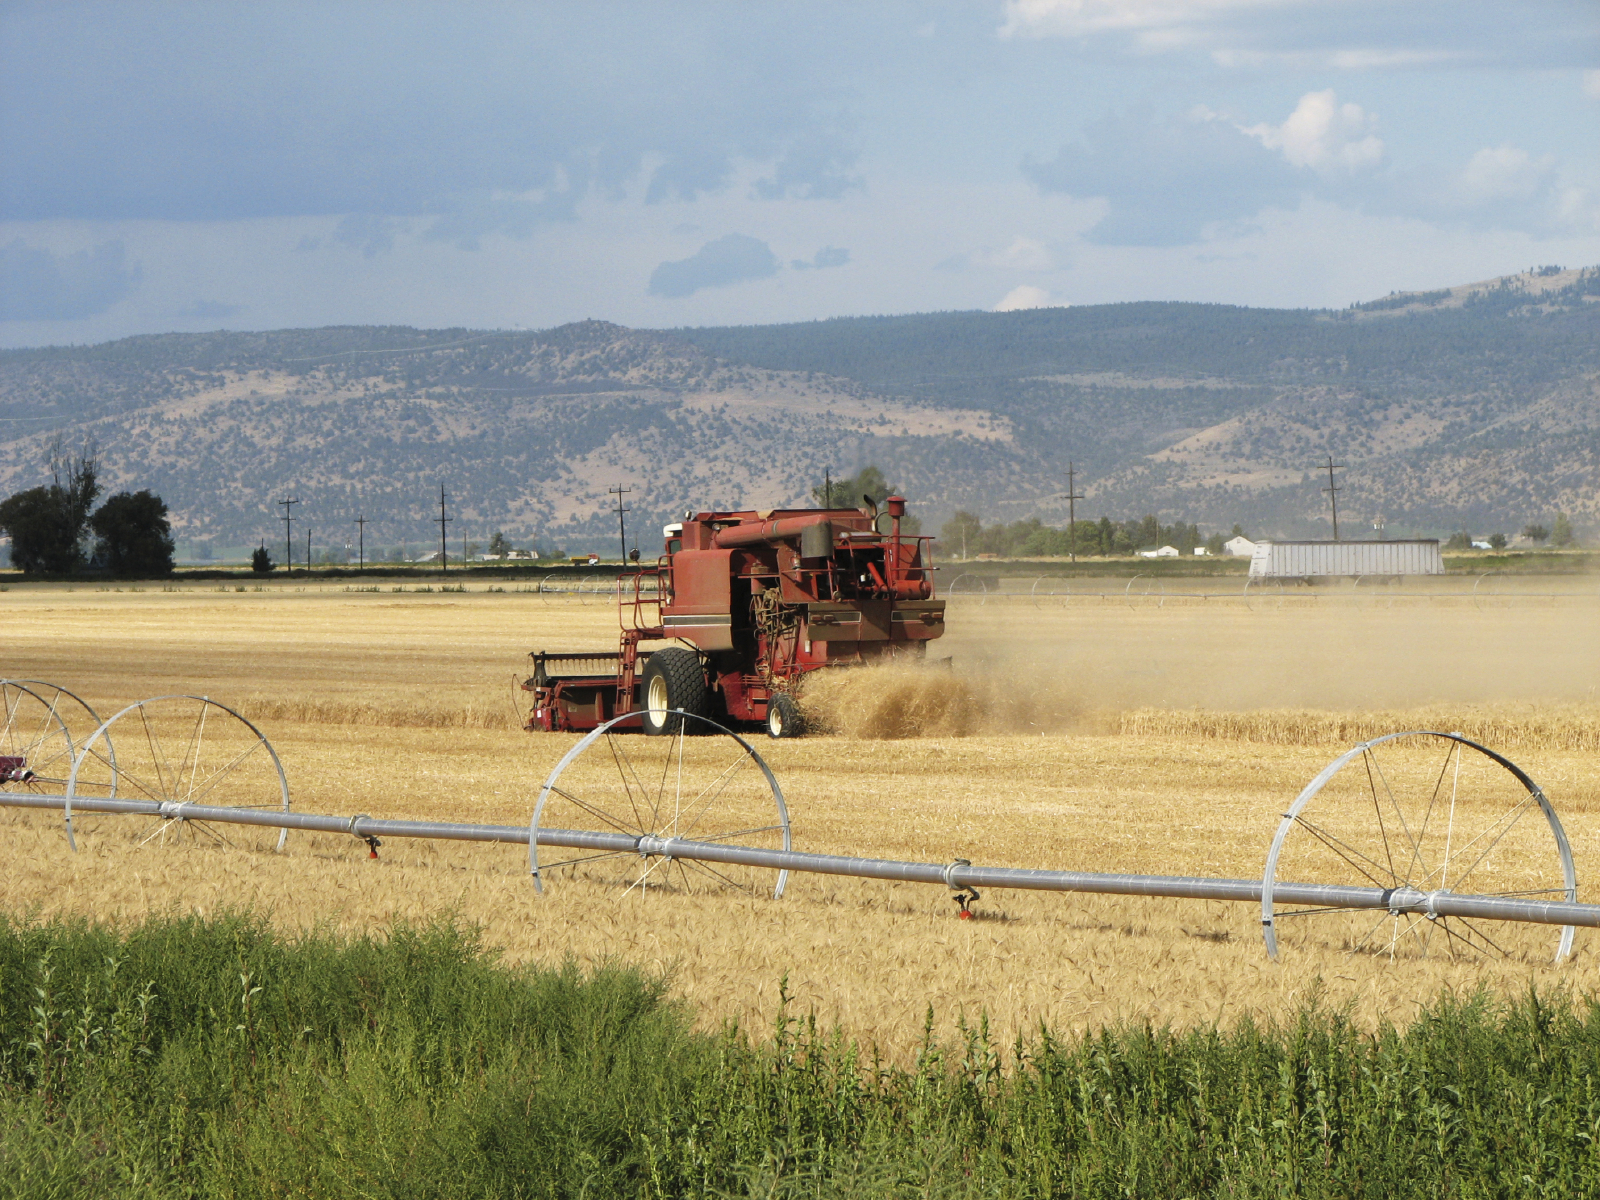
x=176, y=751
x=701, y=783
x=1420, y=814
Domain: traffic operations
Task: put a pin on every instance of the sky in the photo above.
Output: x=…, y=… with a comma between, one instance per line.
x=172, y=166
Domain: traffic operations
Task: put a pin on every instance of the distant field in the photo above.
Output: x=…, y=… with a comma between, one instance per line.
x=1150, y=736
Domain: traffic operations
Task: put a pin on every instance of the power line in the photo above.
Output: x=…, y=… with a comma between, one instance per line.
x=442, y=521
x=1073, y=496
x=1333, y=493
x=622, y=529
x=288, y=539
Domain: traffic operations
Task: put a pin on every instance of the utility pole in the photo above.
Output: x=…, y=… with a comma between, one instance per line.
x=827, y=487
x=308, y=549
x=622, y=529
x=361, y=543
x=1073, y=496
x=1333, y=493
x=444, y=553
x=288, y=540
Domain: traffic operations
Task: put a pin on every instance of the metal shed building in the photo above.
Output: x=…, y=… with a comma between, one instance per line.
x=1305, y=560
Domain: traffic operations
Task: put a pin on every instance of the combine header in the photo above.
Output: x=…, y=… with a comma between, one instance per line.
x=758, y=599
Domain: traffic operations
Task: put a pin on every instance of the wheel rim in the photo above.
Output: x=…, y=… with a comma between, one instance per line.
x=1426, y=811
x=656, y=699
x=178, y=750
x=775, y=719
x=702, y=783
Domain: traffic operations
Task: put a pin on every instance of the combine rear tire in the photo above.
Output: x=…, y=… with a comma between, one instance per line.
x=783, y=717
x=673, y=679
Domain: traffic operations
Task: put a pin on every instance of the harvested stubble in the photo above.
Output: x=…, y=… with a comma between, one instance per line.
x=872, y=956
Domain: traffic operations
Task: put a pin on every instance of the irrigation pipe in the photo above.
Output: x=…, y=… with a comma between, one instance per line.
x=1393, y=900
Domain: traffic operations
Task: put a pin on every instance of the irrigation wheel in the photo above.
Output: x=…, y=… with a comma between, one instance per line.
x=1429, y=811
x=176, y=751
x=36, y=742
x=701, y=782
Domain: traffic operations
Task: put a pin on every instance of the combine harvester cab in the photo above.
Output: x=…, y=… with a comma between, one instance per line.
x=755, y=601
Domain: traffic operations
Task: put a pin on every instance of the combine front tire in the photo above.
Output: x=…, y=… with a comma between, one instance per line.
x=783, y=717
x=673, y=680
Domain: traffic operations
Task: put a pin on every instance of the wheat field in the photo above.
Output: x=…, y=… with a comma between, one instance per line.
x=1160, y=741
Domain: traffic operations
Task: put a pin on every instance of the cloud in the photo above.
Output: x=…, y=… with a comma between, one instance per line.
x=1324, y=135
x=1505, y=187
x=1504, y=173
x=731, y=259
x=210, y=310
x=828, y=256
x=370, y=234
x=1166, y=180
x=1025, y=296
x=815, y=167
x=493, y=123
x=1344, y=35
x=1591, y=84
x=37, y=285
x=1156, y=22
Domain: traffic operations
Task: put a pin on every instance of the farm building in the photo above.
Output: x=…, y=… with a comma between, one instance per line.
x=1306, y=560
x=1238, y=547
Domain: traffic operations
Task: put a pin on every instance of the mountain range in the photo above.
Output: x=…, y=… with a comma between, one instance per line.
x=1475, y=407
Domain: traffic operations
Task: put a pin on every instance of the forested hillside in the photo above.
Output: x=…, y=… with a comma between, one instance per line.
x=1470, y=407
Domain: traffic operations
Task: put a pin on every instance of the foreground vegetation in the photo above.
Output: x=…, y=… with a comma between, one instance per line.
x=200, y=1057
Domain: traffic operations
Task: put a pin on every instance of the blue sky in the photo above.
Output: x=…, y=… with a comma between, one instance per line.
x=264, y=165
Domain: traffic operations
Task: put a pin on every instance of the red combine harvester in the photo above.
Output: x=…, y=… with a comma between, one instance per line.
x=759, y=599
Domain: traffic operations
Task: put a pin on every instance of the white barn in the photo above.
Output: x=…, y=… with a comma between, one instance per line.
x=1239, y=547
x=1307, y=560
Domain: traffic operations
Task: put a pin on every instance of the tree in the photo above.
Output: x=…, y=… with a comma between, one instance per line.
x=1497, y=540
x=498, y=546
x=1459, y=541
x=1238, y=531
x=961, y=530
x=261, y=560
x=848, y=493
x=1214, y=544
x=1561, y=531
x=135, y=535
x=48, y=524
x=1535, y=533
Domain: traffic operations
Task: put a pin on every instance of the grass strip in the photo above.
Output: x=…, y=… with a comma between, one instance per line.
x=189, y=1056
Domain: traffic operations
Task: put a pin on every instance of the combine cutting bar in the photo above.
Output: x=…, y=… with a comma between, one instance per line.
x=955, y=875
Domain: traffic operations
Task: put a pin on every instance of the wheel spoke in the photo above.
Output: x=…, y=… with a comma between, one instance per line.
x=715, y=874
x=620, y=757
x=597, y=812
x=572, y=862
x=1416, y=850
x=1509, y=819
x=217, y=777
x=1383, y=832
x=721, y=783
x=1334, y=844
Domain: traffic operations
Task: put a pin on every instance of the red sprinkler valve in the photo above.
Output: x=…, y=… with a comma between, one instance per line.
x=965, y=893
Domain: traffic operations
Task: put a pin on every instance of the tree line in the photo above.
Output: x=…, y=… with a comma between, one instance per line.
x=965, y=535
x=55, y=529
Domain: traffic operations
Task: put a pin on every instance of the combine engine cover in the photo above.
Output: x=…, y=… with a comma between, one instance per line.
x=757, y=600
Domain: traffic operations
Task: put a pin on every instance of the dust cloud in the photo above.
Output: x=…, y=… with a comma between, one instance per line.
x=1083, y=667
